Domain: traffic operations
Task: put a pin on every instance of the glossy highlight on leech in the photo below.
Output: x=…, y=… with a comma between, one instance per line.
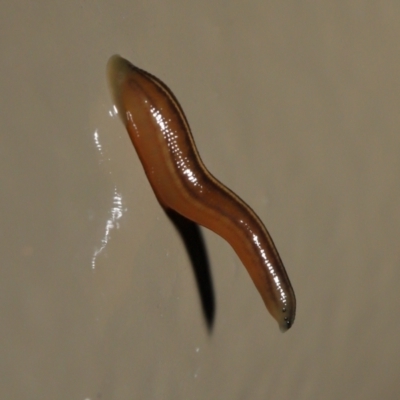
x=163, y=141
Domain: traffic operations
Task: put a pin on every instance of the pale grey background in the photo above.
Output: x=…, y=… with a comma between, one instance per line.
x=295, y=106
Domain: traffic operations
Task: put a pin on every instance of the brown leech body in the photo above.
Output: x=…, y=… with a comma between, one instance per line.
x=162, y=138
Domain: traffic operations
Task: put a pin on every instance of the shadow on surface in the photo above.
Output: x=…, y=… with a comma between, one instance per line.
x=194, y=243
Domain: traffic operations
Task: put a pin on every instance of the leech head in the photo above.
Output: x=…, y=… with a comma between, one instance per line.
x=284, y=316
x=286, y=323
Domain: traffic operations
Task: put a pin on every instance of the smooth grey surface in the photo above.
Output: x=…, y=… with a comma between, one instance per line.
x=294, y=106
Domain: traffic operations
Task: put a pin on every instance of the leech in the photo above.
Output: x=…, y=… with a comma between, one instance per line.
x=163, y=141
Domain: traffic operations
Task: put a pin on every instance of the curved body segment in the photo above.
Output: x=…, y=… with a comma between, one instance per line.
x=162, y=138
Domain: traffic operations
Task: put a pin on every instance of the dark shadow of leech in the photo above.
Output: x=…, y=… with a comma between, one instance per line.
x=195, y=247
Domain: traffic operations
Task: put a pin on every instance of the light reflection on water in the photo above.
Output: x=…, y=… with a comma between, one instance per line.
x=115, y=212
